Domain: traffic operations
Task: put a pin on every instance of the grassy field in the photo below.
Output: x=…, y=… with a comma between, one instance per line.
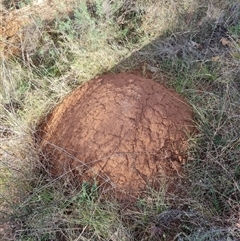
x=192, y=46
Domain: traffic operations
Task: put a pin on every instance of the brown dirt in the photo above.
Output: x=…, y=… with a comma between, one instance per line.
x=18, y=26
x=124, y=130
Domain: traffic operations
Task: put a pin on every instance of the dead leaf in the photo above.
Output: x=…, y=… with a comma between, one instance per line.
x=215, y=58
x=225, y=42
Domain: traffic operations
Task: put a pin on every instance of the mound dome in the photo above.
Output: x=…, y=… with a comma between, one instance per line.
x=123, y=130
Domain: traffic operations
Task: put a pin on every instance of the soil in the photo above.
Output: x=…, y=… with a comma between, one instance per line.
x=122, y=130
x=19, y=27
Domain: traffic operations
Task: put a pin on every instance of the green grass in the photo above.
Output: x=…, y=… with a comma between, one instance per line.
x=178, y=40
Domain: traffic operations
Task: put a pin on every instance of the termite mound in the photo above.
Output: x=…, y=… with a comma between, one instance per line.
x=122, y=130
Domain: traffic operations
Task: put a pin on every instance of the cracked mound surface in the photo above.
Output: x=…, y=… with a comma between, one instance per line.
x=124, y=130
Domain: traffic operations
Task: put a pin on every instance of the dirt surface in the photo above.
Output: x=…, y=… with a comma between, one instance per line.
x=19, y=27
x=124, y=130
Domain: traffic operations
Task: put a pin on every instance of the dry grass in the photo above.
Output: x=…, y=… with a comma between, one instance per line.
x=196, y=45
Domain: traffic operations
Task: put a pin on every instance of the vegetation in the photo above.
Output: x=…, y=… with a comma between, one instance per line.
x=191, y=46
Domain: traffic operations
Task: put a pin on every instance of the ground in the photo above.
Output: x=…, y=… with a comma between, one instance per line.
x=131, y=132
x=48, y=50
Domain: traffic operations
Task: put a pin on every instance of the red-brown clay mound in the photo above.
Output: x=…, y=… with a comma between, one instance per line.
x=123, y=130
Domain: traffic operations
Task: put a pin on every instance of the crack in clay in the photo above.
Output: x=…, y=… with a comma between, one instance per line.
x=125, y=129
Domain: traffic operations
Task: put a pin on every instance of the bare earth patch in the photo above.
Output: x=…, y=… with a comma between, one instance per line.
x=124, y=130
x=18, y=25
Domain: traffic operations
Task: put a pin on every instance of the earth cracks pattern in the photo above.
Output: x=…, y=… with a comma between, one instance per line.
x=124, y=130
